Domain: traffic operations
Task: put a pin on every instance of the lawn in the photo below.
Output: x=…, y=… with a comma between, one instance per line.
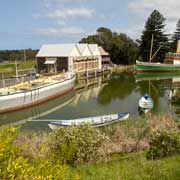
x=8, y=69
x=21, y=65
x=130, y=167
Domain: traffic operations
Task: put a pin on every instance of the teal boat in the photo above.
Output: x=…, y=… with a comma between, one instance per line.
x=171, y=62
x=156, y=67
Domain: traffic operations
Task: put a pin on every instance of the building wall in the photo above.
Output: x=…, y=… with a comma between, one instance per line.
x=41, y=67
x=61, y=64
x=85, y=65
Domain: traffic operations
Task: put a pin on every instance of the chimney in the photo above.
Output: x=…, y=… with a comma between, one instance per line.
x=178, y=46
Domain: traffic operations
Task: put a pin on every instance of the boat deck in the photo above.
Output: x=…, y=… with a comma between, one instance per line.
x=29, y=85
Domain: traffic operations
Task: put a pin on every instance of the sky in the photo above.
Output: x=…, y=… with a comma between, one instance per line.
x=31, y=23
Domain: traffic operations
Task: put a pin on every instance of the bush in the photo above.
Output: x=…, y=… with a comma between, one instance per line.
x=13, y=164
x=164, y=143
x=76, y=145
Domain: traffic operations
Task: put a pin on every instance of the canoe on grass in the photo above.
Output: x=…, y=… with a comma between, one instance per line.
x=96, y=121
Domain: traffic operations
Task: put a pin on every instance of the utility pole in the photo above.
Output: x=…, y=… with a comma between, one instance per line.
x=16, y=71
x=25, y=55
x=152, y=40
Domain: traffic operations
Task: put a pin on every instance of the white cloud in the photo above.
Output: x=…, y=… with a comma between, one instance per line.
x=71, y=12
x=59, y=31
x=169, y=8
x=60, y=13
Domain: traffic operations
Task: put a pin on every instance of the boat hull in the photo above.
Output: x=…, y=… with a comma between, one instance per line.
x=25, y=99
x=156, y=67
x=93, y=121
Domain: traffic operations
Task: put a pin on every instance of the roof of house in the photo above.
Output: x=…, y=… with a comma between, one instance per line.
x=73, y=50
x=84, y=49
x=94, y=49
x=103, y=52
x=58, y=50
x=81, y=47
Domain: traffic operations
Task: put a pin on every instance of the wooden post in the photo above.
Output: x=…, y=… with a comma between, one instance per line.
x=3, y=81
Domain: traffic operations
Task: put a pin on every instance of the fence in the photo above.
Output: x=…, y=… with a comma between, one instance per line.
x=11, y=77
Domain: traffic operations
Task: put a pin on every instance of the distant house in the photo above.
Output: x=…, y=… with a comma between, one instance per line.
x=54, y=58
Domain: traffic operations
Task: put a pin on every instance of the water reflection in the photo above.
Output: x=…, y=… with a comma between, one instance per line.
x=105, y=95
x=164, y=87
x=21, y=116
x=119, y=87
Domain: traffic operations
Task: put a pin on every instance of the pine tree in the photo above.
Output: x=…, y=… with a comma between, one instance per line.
x=176, y=36
x=154, y=25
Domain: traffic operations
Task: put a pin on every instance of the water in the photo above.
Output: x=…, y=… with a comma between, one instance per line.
x=118, y=93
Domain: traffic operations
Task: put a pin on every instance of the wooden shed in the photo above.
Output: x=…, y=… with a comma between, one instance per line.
x=54, y=58
x=76, y=58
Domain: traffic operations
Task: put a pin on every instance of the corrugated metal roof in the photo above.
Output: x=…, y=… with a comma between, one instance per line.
x=81, y=47
x=94, y=49
x=103, y=52
x=66, y=50
x=56, y=50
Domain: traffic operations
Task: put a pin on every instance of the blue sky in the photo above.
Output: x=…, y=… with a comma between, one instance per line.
x=31, y=23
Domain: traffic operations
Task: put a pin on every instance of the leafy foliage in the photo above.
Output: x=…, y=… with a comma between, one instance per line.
x=13, y=165
x=154, y=25
x=75, y=145
x=163, y=144
x=123, y=49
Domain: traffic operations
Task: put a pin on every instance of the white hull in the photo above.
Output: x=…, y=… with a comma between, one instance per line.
x=97, y=121
x=146, y=104
x=20, y=100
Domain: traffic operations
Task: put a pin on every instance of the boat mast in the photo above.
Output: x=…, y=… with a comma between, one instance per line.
x=152, y=40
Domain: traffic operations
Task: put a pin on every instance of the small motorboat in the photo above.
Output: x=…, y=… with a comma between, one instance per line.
x=146, y=103
x=96, y=121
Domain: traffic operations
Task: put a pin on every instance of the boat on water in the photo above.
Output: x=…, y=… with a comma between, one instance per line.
x=171, y=63
x=28, y=94
x=157, y=67
x=145, y=103
x=96, y=121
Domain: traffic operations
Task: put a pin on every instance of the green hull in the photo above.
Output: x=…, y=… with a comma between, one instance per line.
x=156, y=76
x=156, y=67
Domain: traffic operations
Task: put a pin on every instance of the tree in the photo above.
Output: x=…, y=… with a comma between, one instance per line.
x=123, y=50
x=176, y=36
x=154, y=25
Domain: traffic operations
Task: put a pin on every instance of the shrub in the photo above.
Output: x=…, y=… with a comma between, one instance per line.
x=13, y=165
x=75, y=145
x=164, y=143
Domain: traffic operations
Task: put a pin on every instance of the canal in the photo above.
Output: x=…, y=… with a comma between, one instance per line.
x=104, y=95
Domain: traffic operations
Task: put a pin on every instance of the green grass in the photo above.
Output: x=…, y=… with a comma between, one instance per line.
x=8, y=69
x=22, y=65
x=130, y=167
x=27, y=65
x=8, y=65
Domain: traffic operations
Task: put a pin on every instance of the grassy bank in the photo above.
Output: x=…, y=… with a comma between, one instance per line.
x=8, y=69
x=114, y=152
x=4, y=67
x=123, y=68
x=131, y=167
